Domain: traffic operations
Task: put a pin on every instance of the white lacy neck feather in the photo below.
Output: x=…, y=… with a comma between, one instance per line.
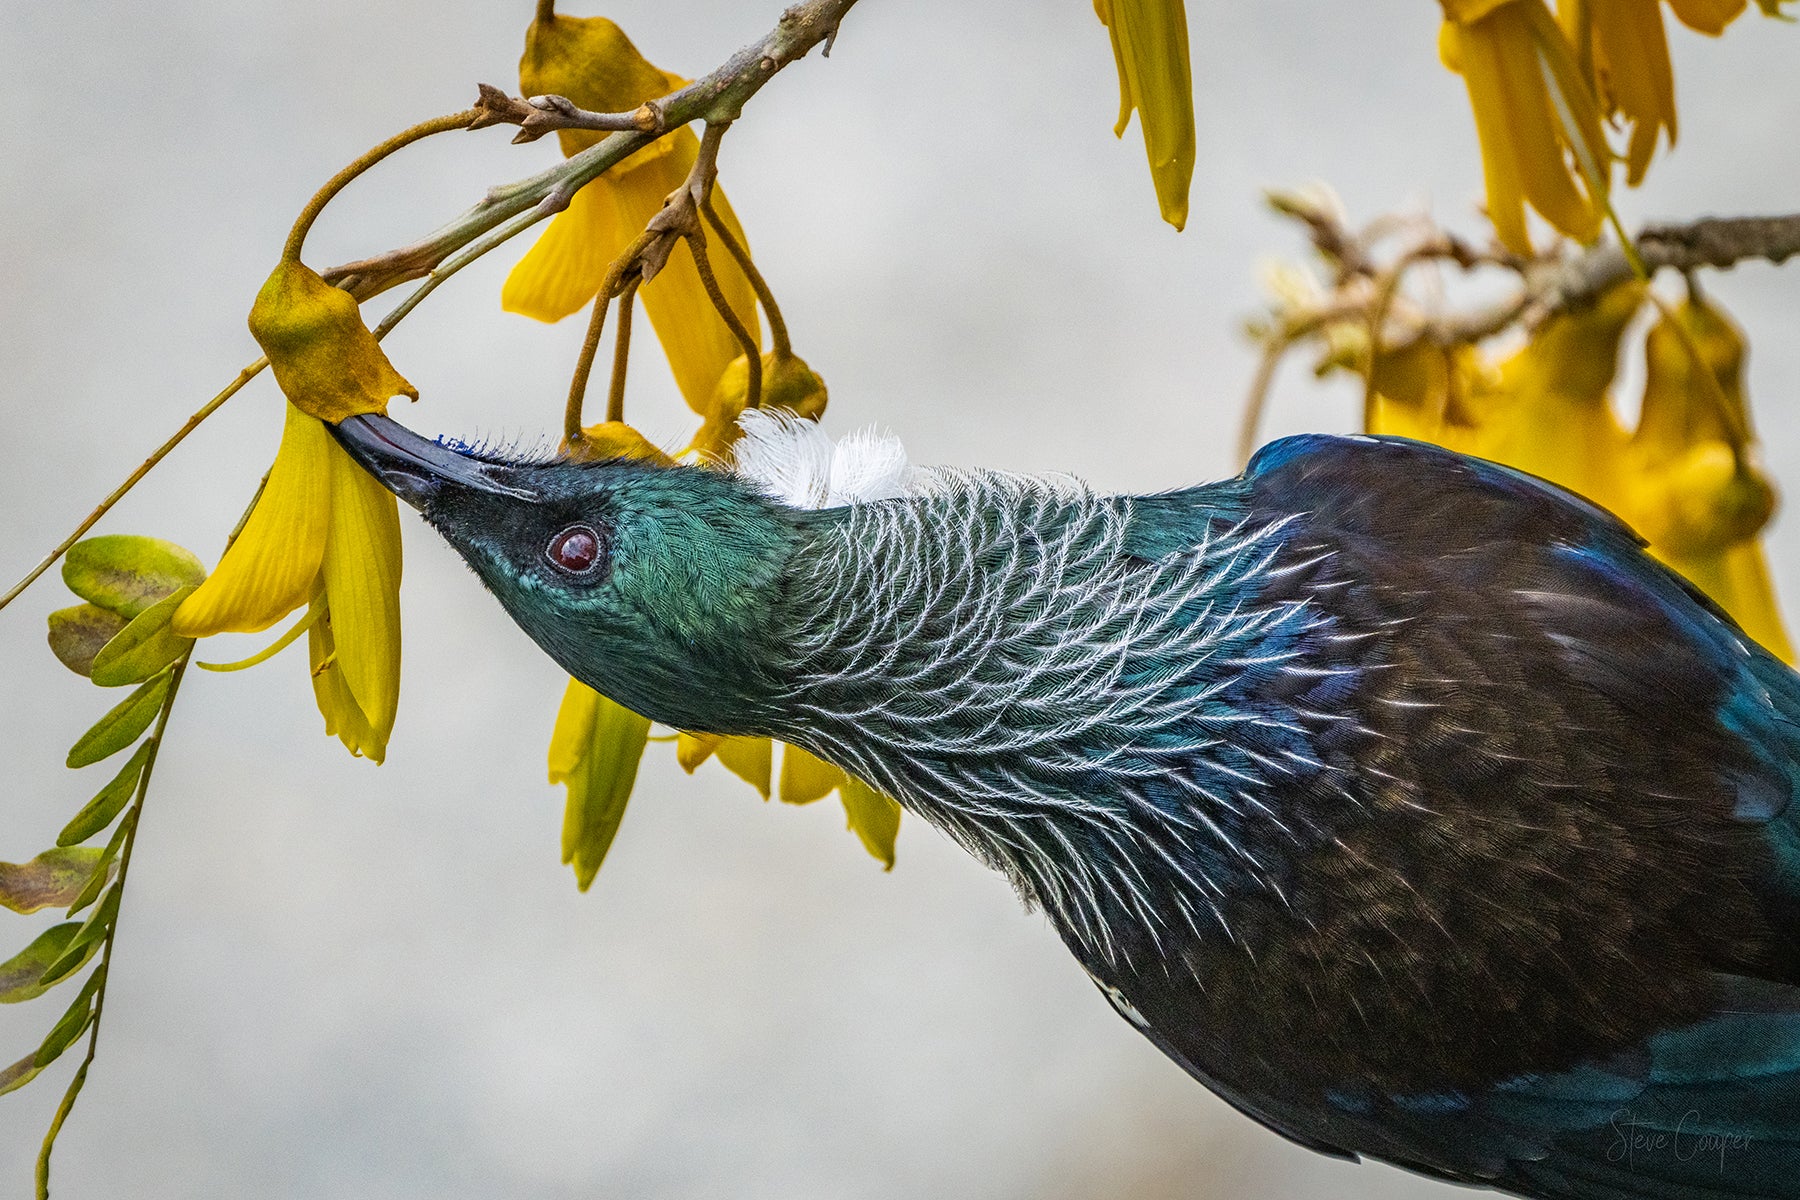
x=797, y=462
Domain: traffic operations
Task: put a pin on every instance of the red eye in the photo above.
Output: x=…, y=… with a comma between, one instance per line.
x=576, y=549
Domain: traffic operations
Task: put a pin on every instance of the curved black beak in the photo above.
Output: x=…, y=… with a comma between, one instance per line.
x=414, y=468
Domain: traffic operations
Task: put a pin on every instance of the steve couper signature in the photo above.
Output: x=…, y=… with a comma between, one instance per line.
x=1634, y=1139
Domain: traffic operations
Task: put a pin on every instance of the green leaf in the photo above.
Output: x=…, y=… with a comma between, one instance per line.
x=75, y=1020
x=144, y=647
x=81, y=947
x=102, y=870
x=51, y=880
x=874, y=818
x=99, y=812
x=78, y=633
x=19, y=1074
x=120, y=727
x=128, y=574
x=21, y=976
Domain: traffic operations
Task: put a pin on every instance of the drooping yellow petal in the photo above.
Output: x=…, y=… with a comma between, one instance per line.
x=595, y=750
x=751, y=759
x=1529, y=104
x=562, y=271
x=361, y=576
x=271, y=568
x=327, y=362
x=806, y=777
x=1150, y=51
x=1708, y=16
x=573, y=730
x=344, y=718
x=593, y=63
x=1631, y=57
x=873, y=817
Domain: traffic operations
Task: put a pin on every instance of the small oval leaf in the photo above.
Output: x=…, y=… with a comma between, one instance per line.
x=21, y=976
x=19, y=1074
x=144, y=647
x=103, y=873
x=51, y=880
x=75, y=1020
x=81, y=947
x=107, y=803
x=120, y=727
x=78, y=633
x=128, y=574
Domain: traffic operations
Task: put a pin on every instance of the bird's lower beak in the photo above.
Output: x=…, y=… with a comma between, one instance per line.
x=416, y=469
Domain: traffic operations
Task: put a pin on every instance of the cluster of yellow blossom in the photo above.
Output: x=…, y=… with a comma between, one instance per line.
x=1542, y=86
x=1686, y=477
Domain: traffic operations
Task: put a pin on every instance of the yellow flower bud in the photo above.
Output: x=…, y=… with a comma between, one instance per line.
x=324, y=358
x=788, y=384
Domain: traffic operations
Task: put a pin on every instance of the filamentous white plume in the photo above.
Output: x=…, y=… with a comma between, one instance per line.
x=798, y=463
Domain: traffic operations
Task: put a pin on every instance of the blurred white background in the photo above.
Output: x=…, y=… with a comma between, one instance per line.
x=334, y=979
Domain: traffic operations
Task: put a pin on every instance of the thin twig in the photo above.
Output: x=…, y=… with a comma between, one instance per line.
x=615, y=395
x=584, y=366
x=546, y=11
x=780, y=346
x=740, y=331
x=537, y=115
x=161, y=452
x=717, y=97
x=337, y=183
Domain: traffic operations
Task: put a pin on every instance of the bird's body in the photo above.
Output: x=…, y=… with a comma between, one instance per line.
x=1399, y=797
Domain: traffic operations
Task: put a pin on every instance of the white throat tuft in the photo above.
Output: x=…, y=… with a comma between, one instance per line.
x=797, y=462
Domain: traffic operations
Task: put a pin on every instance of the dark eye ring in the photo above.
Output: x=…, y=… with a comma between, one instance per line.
x=576, y=550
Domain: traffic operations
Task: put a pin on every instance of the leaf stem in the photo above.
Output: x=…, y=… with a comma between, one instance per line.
x=337, y=183
x=778, y=330
x=161, y=452
x=133, y=816
x=752, y=351
x=615, y=395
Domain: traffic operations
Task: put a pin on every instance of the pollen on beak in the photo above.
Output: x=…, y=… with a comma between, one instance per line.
x=414, y=468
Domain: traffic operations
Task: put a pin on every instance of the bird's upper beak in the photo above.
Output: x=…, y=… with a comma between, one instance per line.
x=417, y=469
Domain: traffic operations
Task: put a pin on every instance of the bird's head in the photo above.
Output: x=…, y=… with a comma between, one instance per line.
x=650, y=583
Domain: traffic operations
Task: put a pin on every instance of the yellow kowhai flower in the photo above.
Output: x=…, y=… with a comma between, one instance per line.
x=322, y=533
x=592, y=62
x=1550, y=411
x=1430, y=392
x=596, y=744
x=1695, y=489
x=1541, y=141
x=1629, y=60
x=1150, y=50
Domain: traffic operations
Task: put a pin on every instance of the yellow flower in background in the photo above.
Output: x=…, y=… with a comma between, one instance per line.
x=1431, y=392
x=592, y=62
x=1697, y=492
x=322, y=533
x=1551, y=411
x=1150, y=50
x=1541, y=141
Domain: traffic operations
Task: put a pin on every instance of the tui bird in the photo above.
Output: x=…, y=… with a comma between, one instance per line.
x=1398, y=796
